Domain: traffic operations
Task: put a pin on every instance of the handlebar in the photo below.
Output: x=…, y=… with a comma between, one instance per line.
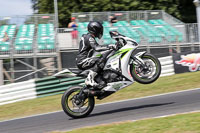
x=121, y=38
x=117, y=36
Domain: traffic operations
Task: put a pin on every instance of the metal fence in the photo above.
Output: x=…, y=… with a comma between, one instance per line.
x=188, y=34
x=126, y=16
x=20, y=65
x=26, y=46
x=28, y=56
x=22, y=62
x=28, y=19
x=22, y=69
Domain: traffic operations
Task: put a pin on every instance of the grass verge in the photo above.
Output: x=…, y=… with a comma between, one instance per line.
x=184, y=123
x=52, y=103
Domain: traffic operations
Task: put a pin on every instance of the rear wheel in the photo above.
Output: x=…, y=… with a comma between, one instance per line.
x=74, y=106
x=147, y=74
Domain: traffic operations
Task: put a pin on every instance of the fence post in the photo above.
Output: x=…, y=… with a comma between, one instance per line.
x=197, y=4
x=1, y=72
x=58, y=56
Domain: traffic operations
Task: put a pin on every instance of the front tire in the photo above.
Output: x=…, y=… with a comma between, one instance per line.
x=70, y=106
x=149, y=75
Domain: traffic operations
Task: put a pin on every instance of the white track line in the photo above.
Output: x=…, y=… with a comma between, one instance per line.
x=106, y=103
x=163, y=116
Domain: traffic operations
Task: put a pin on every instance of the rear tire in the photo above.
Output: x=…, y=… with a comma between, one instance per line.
x=69, y=102
x=138, y=73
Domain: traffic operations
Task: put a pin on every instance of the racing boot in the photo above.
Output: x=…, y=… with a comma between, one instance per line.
x=90, y=79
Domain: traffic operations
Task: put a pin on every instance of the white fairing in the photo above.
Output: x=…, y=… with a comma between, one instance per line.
x=115, y=86
x=116, y=61
x=113, y=63
x=125, y=62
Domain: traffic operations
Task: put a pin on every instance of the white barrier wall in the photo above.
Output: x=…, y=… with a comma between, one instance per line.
x=167, y=66
x=17, y=92
x=27, y=90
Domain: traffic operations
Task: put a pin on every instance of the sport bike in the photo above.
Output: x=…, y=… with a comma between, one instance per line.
x=124, y=65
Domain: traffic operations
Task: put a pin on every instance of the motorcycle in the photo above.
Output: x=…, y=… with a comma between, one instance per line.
x=123, y=67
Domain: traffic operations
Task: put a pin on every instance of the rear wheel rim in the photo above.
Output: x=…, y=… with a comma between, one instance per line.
x=74, y=106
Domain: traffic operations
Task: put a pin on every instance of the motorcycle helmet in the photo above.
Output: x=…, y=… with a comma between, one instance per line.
x=95, y=28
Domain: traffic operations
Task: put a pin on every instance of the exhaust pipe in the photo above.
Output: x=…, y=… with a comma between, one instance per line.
x=93, y=92
x=99, y=93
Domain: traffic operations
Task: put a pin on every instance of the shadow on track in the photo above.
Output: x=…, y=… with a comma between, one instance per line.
x=130, y=108
x=125, y=109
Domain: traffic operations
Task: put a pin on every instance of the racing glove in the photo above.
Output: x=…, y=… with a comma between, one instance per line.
x=112, y=46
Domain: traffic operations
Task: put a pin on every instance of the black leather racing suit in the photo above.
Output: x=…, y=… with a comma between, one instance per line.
x=84, y=58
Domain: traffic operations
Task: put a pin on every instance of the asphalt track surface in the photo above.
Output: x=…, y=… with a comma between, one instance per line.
x=154, y=106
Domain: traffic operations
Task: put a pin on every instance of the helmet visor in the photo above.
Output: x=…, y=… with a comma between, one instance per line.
x=100, y=34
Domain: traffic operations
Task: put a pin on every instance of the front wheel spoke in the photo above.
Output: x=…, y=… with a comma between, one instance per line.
x=71, y=99
x=85, y=103
x=144, y=72
x=138, y=70
x=73, y=105
x=79, y=109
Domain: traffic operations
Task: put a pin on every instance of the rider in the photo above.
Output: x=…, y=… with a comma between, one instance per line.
x=87, y=46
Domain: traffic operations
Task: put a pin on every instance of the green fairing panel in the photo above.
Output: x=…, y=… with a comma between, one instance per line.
x=122, y=51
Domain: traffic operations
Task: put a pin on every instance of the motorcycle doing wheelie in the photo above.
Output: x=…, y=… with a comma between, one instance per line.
x=122, y=68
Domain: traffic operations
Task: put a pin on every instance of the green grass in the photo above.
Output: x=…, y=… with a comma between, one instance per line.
x=184, y=123
x=30, y=107
x=52, y=103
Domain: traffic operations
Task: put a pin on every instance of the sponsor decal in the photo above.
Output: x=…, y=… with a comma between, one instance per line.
x=190, y=60
x=122, y=51
x=117, y=86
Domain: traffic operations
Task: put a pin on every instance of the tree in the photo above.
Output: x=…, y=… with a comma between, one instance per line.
x=181, y=9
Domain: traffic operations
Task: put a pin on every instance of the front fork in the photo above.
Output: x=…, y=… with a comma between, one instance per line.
x=137, y=58
x=81, y=96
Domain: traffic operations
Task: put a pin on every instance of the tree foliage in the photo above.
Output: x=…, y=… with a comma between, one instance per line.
x=181, y=9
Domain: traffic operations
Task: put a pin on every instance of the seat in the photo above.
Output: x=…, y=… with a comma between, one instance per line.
x=81, y=73
x=76, y=71
x=84, y=73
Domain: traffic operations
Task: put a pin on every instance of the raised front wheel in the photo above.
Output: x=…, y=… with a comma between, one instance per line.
x=147, y=73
